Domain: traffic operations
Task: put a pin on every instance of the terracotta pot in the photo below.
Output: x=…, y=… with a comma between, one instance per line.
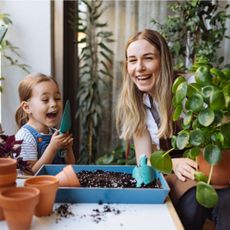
x=68, y=177
x=48, y=186
x=18, y=206
x=8, y=171
x=7, y=165
x=221, y=171
x=1, y=211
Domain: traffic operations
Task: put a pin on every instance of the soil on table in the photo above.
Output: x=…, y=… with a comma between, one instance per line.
x=105, y=179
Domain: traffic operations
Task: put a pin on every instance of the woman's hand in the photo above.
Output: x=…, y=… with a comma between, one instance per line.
x=184, y=168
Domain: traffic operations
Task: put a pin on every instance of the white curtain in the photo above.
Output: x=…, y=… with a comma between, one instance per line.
x=124, y=18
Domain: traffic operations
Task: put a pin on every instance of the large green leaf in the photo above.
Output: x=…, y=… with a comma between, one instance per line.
x=217, y=100
x=203, y=76
x=181, y=92
x=182, y=139
x=206, y=117
x=177, y=112
x=206, y=195
x=178, y=80
x=193, y=88
x=195, y=102
x=161, y=162
x=187, y=118
x=212, y=154
x=196, y=137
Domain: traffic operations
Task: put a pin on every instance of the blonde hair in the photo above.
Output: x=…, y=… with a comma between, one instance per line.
x=130, y=111
x=25, y=90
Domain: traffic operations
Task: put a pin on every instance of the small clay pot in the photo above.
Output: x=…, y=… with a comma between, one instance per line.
x=7, y=165
x=48, y=186
x=8, y=172
x=1, y=211
x=68, y=177
x=18, y=206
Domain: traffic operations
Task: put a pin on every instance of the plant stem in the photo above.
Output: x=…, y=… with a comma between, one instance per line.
x=210, y=174
x=168, y=152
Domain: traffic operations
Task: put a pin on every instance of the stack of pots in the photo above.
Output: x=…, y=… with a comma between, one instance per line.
x=8, y=176
x=17, y=204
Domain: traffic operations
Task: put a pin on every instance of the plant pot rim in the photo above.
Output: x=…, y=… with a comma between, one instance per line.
x=41, y=181
x=8, y=193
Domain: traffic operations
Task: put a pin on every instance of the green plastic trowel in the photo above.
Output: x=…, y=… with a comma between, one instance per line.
x=66, y=118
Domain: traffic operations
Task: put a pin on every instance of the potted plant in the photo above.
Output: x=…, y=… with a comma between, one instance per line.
x=203, y=108
x=194, y=28
x=11, y=148
x=95, y=60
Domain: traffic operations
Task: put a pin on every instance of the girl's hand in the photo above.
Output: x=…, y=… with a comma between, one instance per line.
x=60, y=141
x=184, y=168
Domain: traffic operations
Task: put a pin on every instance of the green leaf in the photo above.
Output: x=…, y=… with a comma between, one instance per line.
x=182, y=139
x=203, y=76
x=187, y=118
x=177, y=112
x=194, y=152
x=217, y=100
x=199, y=176
x=161, y=161
x=181, y=92
x=224, y=129
x=196, y=137
x=226, y=73
x=178, y=80
x=217, y=73
x=193, y=88
x=212, y=154
x=206, y=195
x=206, y=117
x=195, y=102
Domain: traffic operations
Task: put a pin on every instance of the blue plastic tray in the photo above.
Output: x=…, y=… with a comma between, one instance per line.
x=107, y=195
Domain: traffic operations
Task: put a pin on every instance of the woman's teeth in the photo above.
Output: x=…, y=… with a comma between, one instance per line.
x=142, y=78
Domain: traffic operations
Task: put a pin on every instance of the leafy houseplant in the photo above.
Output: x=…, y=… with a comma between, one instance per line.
x=194, y=28
x=204, y=106
x=95, y=60
x=7, y=48
x=9, y=147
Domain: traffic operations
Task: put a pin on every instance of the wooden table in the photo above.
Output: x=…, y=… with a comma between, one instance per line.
x=93, y=216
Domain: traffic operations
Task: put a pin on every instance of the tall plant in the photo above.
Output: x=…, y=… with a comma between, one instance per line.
x=7, y=48
x=95, y=60
x=195, y=28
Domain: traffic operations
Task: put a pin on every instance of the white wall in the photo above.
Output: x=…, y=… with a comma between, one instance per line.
x=30, y=32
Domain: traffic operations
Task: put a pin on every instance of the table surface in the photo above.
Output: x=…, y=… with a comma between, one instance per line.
x=108, y=216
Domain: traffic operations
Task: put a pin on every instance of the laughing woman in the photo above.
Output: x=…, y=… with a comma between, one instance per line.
x=144, y=114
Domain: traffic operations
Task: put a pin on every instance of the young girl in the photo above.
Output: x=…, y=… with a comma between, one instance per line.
x=39, y=112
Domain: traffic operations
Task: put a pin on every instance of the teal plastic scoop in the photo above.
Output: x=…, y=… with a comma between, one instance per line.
x=66, y=118
x=143, y=173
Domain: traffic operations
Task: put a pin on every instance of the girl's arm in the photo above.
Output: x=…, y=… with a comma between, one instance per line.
x=46, y=158
x=143, y=145
x=58, y=141
x=69, y=157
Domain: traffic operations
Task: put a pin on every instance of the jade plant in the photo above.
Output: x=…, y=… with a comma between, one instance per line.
x=203, y=108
